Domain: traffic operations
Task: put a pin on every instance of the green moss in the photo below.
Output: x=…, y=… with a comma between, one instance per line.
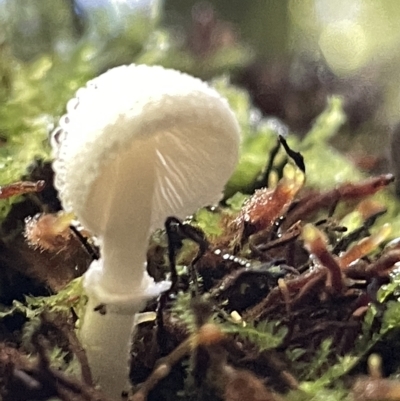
x=34, y=96
x=72, y=296
x=266, y=335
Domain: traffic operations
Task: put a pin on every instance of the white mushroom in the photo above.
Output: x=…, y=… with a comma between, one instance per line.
x=138, y=144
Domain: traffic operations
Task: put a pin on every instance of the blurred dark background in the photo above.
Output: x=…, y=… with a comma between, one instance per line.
x=290, y=55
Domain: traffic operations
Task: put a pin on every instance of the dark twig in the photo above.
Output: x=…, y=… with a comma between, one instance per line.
x=176, y=233
x=295, y=156
x=89, y=248
x=77, y=349
x=162, y=369
x=262, y=180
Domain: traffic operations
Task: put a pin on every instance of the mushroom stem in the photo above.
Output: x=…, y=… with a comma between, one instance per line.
x=107, y=338
x=126, y=219
x=127, y=223
x=107, y=334
x=100, y=332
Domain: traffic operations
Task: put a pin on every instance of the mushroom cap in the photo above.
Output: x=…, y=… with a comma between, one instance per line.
x=137, y=115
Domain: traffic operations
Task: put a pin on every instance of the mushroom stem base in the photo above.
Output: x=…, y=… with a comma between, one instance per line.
x=107, y=341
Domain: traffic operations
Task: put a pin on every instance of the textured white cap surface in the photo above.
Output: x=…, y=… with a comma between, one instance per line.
x=177, y=122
